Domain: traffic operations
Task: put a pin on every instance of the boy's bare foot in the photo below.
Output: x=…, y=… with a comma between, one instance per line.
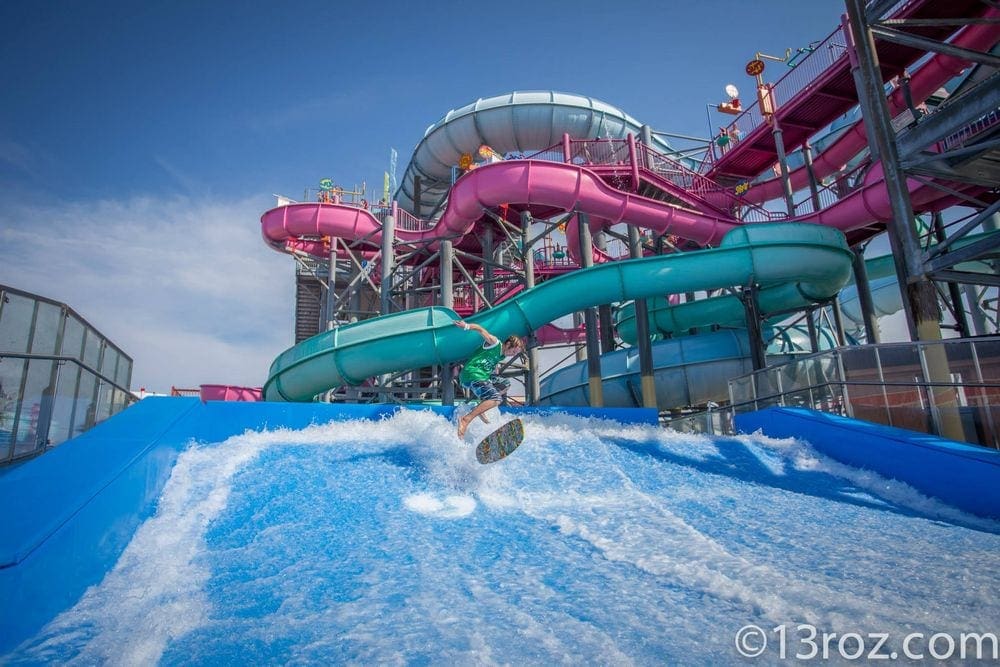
x=463, y=423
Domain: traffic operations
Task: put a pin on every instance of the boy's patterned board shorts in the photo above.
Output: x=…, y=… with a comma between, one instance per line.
x=489, y=390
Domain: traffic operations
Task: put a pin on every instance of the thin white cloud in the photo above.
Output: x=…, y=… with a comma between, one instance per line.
x=185, y=286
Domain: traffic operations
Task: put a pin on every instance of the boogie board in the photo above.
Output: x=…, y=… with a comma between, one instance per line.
x=500, y=442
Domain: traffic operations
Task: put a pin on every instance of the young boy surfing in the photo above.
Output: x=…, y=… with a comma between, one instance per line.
x=478, y=374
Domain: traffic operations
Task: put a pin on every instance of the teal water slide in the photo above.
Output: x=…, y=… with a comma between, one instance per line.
x=794, y=264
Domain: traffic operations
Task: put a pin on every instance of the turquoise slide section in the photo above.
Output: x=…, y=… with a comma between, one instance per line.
x=795, y=265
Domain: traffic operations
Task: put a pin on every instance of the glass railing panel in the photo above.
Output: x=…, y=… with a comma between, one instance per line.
x=868, y=403
x=92, y=349
x=47, y=321
x=72, y=345
x=988, y=356
x=961, y=362
x=909, y=407
x=85, y=402
x=16, y=313
x=742, y=389
x=104, y=402
x=769, y=382
x=900, y=363
x=62, y=411
x=37, y=403
x=981, y=416
x=109, y=364
x=123, y=376
x=12, y=372
x=860, y=364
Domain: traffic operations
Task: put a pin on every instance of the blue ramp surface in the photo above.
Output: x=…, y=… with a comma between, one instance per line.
x=306, y=540
x=964, y=475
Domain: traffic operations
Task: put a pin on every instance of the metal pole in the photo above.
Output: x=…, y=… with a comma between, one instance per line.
x=961, y=321
x=872, y=336
x=813, y=185
x=604, y=310
x=756, y=338
x=838, y=321
x=646, y=377
x=489, y=289
x=920, y=297
x=786, y=182
x=388, y=260
x=331, y=285
x=590, y=319
x=811, y=326
x=417, y=194
x=448, y=301
x=532, y=388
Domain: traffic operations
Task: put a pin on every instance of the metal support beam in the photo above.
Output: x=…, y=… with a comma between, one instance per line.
x=990, y=279
x=643, y=342
x=752, y=312
x=955, y=296
x=920, y=302
x=811, y=328
x=590, y=319
x=532, y=389
x=786, y=182
x=448, y=301
x=863, y=287
x=927, y=44
x=388, y=260
x=975, y=104
x=963, y=254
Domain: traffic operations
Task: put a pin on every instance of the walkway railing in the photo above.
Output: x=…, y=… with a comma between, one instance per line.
x=58, y=375
x=47, y=399
x=615, y=152
x=810, y=68
x=949, y=388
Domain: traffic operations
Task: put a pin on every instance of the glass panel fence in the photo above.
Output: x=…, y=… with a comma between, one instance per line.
x=11, y=376
x=62, y=411
x=104, y=402
x=123, y=377
x=47, y=322
x=36, y=407
x=85, y=403
x=92, y=349
x=72, y=345
x=16, y=314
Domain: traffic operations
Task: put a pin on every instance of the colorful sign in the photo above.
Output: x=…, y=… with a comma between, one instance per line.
x=755, y=67
x=326, y=184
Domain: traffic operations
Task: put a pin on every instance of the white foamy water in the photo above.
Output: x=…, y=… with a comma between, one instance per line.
x=593, y=542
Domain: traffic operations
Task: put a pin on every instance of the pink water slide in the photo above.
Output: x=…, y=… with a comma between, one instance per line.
x=565, y=187
x=924, y=82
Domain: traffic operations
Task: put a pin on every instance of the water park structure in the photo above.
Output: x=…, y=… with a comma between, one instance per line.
x=680, y=268
x=728, y=288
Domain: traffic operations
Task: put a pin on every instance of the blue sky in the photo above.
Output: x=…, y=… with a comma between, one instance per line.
x=140, y=142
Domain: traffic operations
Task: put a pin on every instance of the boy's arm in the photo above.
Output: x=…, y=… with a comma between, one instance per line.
x=487, y=336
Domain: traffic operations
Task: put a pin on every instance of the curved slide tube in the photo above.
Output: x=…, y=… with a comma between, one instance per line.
x=522, y=121
x=567, y=187
x=668, y=318
x=789, y=260
x=690, y=370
